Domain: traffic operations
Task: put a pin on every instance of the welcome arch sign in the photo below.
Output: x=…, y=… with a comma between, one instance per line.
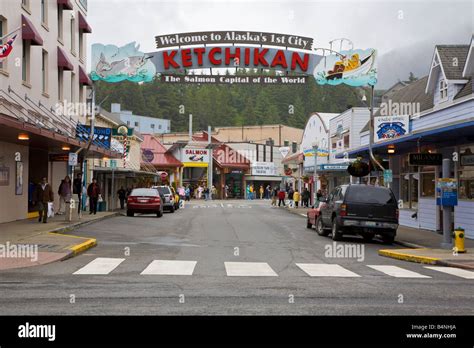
x=293, y=57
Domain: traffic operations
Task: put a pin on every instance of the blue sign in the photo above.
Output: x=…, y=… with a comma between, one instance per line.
x=387, y=175
x=447, y=192
x=102, y=136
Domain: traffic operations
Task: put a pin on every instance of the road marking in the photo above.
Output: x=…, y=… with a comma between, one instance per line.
x=453, y=271
x=397, y=272
x=249, y=269
x=325, y=270
x=100, y=265
x=170, y=267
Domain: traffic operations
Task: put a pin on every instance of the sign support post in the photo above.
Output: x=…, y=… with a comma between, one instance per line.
x=447, y=239
x=371, y=130
x=315, y=174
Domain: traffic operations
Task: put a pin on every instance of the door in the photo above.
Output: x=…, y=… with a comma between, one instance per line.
x=329, y=206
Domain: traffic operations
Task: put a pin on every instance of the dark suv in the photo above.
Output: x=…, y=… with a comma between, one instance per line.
x=359, y=209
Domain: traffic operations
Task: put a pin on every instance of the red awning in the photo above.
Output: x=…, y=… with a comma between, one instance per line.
x=63, y=61
x=83, y=24
x=66, y=4
x=161, y=157
x=83, y=78
x=29, y=32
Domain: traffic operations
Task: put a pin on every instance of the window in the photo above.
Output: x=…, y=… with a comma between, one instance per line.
x=73, y=33
x=428, y=184
x=466, y=173
x=60, y=84
x=128, y=123
x=44, y=71
x=152, y=126
x=443, y=89
x=346, y=141
x=60, y=22
x=25, y=62
x=81, y=44
x=136, y=124
x=159, y=126
x=294, y=147
x=73, y=87
x=44, y=12
x=25, y=4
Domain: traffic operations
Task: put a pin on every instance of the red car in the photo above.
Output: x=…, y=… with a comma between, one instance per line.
x=145, y=201
x=312, y=215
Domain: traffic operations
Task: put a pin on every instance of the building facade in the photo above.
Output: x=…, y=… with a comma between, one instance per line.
x=142, y=124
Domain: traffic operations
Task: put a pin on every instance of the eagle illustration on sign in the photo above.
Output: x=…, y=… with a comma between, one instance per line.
x=389, y=130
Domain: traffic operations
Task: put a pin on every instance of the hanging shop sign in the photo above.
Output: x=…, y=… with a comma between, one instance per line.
x=390, y=127
x=148, y=155
x=425, y=159
x=195, y=157
x=263, y=168
x=467, y=160
x=102, y=136
x=358, y=169
x=179, y=53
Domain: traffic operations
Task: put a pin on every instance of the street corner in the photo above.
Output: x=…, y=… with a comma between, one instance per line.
x=411, y=255
x=35, y=259
x=80, y=244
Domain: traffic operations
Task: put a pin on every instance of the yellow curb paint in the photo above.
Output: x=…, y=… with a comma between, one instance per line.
x=33, y=214
x=78, y=248
x=67, y=235
x=408, y=257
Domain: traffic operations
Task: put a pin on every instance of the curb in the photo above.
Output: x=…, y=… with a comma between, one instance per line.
x=408, y=257
x=454, y=264
x=82, y=223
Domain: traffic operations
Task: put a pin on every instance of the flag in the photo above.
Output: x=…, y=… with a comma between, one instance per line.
x=7, y=48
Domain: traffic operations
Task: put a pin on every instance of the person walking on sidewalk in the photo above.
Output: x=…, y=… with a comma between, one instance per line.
x=77, y=190
x=93, y=191
x=43, y=195
x=305, y=198
x=64, y=192
x=281, y=197
x=296, y=198
x=290, y=196
x=261, y=191
x=274, y=197
x=121, y=195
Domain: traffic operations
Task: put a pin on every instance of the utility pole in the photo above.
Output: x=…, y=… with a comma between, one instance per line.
x=371, y=129
x=315, y=172
x=209, y=168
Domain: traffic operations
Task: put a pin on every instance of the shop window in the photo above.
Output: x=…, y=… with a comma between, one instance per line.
x=466, y=173
x=409, y=190
x=428, y=184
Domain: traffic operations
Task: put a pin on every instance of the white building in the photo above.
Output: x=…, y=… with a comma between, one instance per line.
x=142, y=124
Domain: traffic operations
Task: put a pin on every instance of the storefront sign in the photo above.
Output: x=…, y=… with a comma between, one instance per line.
x=333, y=167
x=59, y=157
x=234, y=79
x=72, y=159
x=425, y=159
x=467, y=160
x=263, y=168
x=198, y=157
x=102, y=136
x=148, y=155
x=447, y=192
x=390, y=127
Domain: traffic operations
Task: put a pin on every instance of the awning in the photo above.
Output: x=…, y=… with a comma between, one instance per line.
x=83, y=24
x=83, y=78
x=29, y=32
x=296, y=158
x=66, y=4
x=63, y=61
x=450, y=134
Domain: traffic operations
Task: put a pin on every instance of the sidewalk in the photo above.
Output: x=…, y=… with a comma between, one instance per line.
x=421, y=246
x=27, y=243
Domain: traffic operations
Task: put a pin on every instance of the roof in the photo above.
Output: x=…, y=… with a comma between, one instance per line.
x=412, y=93
x=161, y=156
x=450, y=53
x=467, y=89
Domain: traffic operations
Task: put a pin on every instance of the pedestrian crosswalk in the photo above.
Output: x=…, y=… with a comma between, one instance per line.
x=106, y=266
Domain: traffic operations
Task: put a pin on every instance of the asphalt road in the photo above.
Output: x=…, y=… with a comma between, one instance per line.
x=209, y=234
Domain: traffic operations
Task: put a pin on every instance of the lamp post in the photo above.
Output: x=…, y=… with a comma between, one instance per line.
x=315, y=173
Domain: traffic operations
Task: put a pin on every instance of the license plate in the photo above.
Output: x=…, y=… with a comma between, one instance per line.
x=143, y=200
x=370, y=223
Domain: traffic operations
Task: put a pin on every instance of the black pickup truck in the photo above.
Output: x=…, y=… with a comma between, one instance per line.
x=359, y=209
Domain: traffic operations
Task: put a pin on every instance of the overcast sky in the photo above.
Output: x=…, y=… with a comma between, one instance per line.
x=384, y=25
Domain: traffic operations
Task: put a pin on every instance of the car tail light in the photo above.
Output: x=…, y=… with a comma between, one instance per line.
x=343, y=210
x=156, y=199
x=131, y=199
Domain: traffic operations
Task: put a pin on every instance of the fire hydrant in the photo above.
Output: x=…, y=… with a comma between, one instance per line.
x=459, y=240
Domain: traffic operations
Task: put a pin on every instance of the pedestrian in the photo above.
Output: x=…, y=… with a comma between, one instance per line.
x=206, y=193
x=122, y=194
x=64, y=192
x=213, y=192
x=274, y=196
x=268, y=192
x=296, y=198
x=261, y=191
x=199, y=192
x=319, y=194
x=93, y=191
x=247, y=191
x=290, y=196
x=187, y=193
x=77, y=190
x=226, y=191
x=43, y=195
x=305, y=198
x=281, y=197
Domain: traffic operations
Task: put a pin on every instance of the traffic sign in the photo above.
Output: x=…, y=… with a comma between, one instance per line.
x=113, y=164
x=387, y=175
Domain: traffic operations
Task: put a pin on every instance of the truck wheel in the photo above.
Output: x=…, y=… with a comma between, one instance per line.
x=388, y=239
x=320, y=230
x=336, y=234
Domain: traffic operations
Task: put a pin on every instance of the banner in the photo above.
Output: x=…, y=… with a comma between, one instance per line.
x=114, y=64
x=6, y=49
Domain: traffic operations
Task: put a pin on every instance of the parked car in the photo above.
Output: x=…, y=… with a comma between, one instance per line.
x=312, y=215
x=145, y=201
x=176, y=198
x=169, y=199
x=366, y=210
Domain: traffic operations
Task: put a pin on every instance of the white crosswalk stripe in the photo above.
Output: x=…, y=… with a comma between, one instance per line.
x=100, y=265
x=453, y=271
x=325, y=270
x=249, y=269
x=170, y=267
x=397, y=272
